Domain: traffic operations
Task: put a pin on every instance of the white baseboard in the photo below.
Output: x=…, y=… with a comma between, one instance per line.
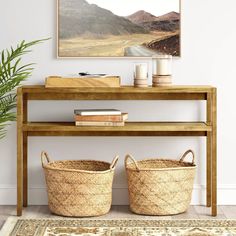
x=38, y=195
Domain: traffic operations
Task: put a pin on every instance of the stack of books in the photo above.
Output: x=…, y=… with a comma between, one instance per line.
x=100, y=117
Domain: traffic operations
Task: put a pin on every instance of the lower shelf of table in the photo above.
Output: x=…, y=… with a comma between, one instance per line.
x=130, y=129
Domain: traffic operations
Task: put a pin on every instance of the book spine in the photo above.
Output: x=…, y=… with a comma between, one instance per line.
x=87, y=123
x=99, y=118
x=98, y=113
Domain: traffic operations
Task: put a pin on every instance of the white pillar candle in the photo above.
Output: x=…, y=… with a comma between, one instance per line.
x=141, y=71
x=164, y=65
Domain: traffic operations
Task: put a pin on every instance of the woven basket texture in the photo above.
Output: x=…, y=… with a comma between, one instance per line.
x=160, y=186
x=79, y=188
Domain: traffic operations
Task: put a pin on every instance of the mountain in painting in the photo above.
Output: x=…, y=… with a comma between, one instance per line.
x=141, y=16
x=79, y=18
x=167, y=22
x=171, y=16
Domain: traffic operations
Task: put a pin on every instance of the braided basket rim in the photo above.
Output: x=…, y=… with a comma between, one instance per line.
x=189, y=165
x=49, y=167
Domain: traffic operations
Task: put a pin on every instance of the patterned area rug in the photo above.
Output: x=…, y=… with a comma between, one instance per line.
x=68, y=227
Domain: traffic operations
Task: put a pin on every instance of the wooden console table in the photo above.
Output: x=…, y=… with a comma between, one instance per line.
x=208, y=128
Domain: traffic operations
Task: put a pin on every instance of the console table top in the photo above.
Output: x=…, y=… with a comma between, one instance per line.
x=122, y=89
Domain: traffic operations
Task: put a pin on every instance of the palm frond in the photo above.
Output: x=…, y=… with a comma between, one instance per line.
x=7, y=103
x=12, y=74
x=2, y=131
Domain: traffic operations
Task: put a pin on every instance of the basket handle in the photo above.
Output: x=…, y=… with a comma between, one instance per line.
x=114, y=162
x=186, y=153
x=44, y=156
x=127, y=157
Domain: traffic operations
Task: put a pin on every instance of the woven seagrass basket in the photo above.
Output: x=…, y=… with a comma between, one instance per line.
x=160, y=186
x=80, y=187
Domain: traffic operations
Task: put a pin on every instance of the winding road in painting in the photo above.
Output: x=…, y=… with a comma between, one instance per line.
x=139, y=51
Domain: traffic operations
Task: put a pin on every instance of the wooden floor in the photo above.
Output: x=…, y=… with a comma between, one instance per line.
x=120, y=212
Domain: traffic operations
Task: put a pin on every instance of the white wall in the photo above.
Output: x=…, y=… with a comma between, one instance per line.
x=208, y=57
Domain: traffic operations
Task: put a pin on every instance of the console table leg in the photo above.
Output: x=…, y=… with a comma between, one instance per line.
x=208, y=174
x=19, y=151
x=25, y=170
x=19, y=175
x=214, y=155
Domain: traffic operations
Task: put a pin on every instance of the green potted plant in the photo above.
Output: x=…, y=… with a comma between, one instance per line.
x=12, y=74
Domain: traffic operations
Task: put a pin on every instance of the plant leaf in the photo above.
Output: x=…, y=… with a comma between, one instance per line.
x=12, y=74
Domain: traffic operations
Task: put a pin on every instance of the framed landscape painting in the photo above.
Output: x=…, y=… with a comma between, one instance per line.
x=122, y=28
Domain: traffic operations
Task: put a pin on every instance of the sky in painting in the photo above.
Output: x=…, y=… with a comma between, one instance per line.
x=128, y=7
